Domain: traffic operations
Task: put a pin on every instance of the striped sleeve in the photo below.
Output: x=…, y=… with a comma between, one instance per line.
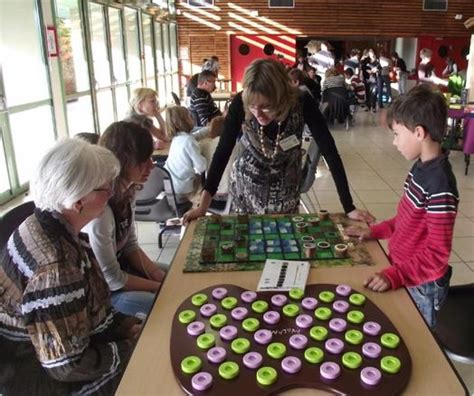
x=205, y=108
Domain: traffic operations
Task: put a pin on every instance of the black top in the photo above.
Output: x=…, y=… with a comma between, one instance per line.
x=317, y=126
x=400, y=63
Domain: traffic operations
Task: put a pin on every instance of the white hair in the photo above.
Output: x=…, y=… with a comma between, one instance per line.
x=71, y=170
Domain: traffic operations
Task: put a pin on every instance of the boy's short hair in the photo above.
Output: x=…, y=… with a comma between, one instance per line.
x=423, y=106
x=205, y=75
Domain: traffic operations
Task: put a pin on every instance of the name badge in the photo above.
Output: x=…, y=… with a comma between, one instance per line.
x=289, y=142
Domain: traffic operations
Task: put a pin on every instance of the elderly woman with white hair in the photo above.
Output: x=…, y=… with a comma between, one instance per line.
x=58, y=331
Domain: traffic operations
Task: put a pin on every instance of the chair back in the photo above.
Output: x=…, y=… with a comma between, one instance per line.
x=309, y=167
x=176, y=100
x=11, y=220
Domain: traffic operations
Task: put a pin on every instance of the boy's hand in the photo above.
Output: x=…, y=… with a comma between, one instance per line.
x=378, y=282
x=361, y=215
x=355, y=231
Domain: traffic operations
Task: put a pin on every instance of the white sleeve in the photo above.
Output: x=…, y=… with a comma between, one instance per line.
x=194, y=152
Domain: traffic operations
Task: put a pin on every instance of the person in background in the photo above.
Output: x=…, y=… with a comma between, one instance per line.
x=185, y=161
x=451, y=68
x=144, y=107
x=270, y=115
x=426, y=70
x=383, y=80
x=301, y=63
x=356, y=85
x=400, y=68
x=420, y=235
x=92, y=138
x=353, y=62
x=211, y=65
x=202, y=106
x=298, y=80
x=370, y=70
x=131, y=275
x=59, y=334
x=333, y=79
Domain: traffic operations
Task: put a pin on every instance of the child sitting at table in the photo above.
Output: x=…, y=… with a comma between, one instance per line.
x=420, y=234
x=185, y=161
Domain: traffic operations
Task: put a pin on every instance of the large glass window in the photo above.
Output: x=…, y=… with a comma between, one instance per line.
x=99, y=45
x=147, y=23
x=118, y=56
x=167, y=57
x=160, y=63
x=133, y=44
x=174, y=56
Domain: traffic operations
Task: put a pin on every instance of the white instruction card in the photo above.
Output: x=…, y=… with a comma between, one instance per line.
x=283, y=275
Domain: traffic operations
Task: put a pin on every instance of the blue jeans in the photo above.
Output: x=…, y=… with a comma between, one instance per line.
x=430, y=296
x=132, y=302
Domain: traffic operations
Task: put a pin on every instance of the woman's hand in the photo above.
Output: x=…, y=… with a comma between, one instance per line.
x=355, y=231
x=361, y=215
x=193, y=214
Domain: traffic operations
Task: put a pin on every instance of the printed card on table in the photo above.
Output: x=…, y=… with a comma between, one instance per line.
x=283, y=275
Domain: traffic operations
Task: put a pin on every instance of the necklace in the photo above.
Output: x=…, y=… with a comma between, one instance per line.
x=270, y=154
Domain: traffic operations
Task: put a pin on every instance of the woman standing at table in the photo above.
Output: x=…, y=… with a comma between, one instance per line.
x=266, y=174
x=132, y=277
x=59, y=334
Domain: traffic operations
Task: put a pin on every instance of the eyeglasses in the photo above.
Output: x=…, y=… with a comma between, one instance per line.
x=263, y=109
x=109, y=189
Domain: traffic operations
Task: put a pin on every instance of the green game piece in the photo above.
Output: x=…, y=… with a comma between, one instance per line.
x=218, y=321
x=229, y=370
x=199, y=299
x=323, y=313
x=353, y=337
x=326, y=296
x=314, y=355
x=291, y=310
x=266, y=375
x=351, y=360
x=390, y=364
x=191, y=364
x=241, y=256
x=296, y=293
x=229, y=302
x=206, y=341
x=318, y=333
x=187, y=316
x=276, y=350
x=390, y=340
x=355, y=316
x=251, y=324
x=240, y=345
x=260, y=306
x=357, y=299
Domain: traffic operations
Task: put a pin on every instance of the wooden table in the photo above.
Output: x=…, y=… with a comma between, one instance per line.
x=149, y=371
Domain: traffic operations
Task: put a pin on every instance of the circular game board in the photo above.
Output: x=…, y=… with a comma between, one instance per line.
x=226, y=340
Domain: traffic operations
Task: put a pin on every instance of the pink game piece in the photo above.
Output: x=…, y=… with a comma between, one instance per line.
x=298, y=341
x=291, y=364
x=208, y=310
x=196, y=328
x=370, y=375
x=263, y=336
x=309, y=303
x=219, y=293
x=340, y=306
x=371, y=350
x=216, y=354
x=334, y=345
x=228, y=332
x=343, y=290
x=330, y=370
x=279, y=300
x=371, y=328
x=337, y=324
x=252, y=360
x=201, y=381
x=248, y=296
x=239, y=313
x=271, y=317
x=304, y=321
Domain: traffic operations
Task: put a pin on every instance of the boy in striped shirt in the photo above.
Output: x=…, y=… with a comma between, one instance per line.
x=420, y=234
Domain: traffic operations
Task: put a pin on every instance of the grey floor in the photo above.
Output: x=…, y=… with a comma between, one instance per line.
x=376, y=172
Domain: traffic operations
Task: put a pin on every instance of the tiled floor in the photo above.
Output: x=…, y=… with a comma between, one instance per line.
x=376, y=172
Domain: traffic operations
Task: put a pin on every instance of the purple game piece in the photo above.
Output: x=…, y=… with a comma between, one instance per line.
x=298, y=341
x=279, y=300
x=371, y=350
x=304, y=321
x=309, y=303
x=252, y=360
x=330, y=370
x=219, y=293
x=343, y=290
x=271, y=317
x=334, y=345
x=228, y=332
x=263, y=336
x=239, y=313
x=370, y=375
x=337, y=324
x=208, y=310
x=371, y=328
x=196, y=328
x=216, y=354
x=340, y=306
x=248, y=296
x=201, y=381
x=291, y=364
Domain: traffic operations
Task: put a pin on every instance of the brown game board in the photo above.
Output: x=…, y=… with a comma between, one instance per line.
x=263, y=306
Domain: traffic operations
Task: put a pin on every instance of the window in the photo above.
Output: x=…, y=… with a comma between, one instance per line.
x=435, y=5
x=281, y=3
x=201, y=3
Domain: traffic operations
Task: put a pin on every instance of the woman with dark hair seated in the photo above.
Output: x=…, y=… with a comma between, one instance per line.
x=132, y=277
x=58, y=331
